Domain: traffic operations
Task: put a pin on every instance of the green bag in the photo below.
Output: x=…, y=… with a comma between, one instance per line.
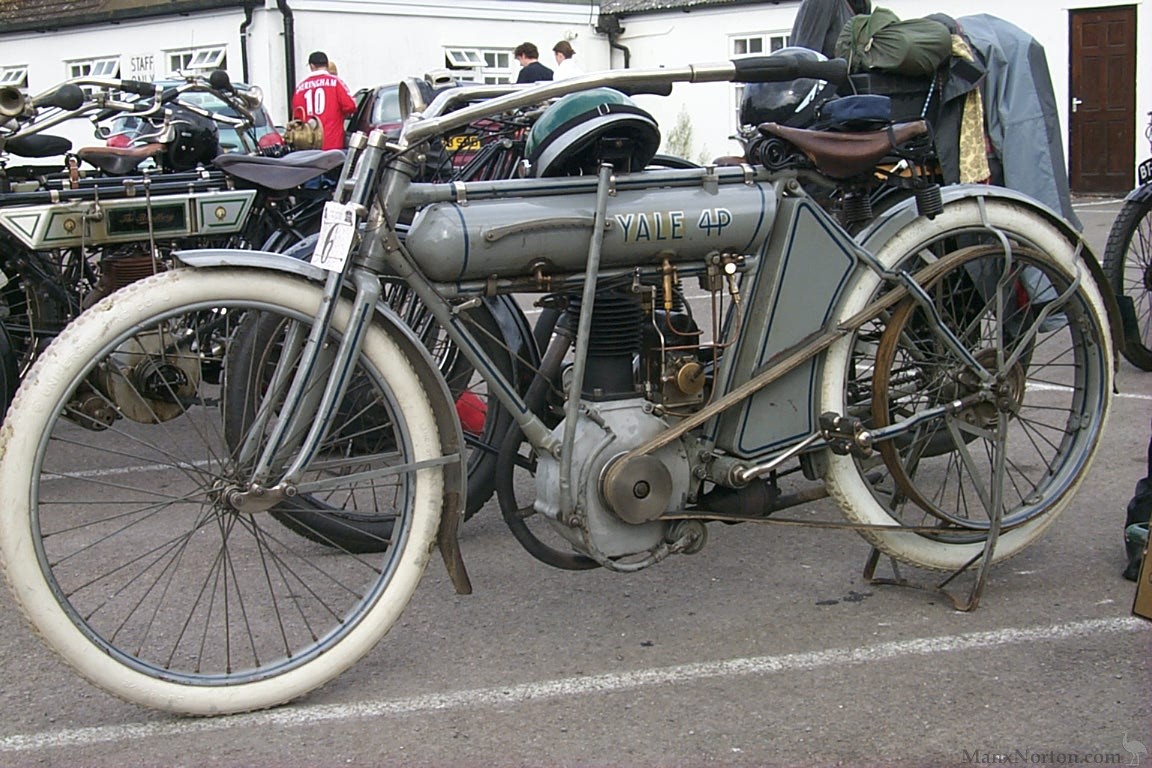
x=881, y=41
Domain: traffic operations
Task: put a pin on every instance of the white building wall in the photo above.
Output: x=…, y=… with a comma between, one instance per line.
x=376, y=41
x=138, y=43
x=679, y=37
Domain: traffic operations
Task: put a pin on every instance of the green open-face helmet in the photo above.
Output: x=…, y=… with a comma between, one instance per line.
x=584, y=129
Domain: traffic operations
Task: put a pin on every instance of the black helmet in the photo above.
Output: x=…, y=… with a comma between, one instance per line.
x=584, y=129
x=195, y=140
x=792, y=102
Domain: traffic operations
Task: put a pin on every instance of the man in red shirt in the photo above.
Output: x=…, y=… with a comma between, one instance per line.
x=324, y=96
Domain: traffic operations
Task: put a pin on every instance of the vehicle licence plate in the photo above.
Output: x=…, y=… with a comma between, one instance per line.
x=1144, y=172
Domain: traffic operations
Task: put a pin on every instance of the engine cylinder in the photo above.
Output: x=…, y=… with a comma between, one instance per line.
x=613, y=345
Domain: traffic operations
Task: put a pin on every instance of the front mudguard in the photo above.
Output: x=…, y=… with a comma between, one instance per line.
x=904, y=214
x=451, y=435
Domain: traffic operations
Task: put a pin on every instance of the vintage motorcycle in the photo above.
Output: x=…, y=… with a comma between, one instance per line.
x=945, y=378
x=1128, y=264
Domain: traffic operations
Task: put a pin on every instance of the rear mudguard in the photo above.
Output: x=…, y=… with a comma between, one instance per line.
x=1141, y=194
x=452, y=438
x=904, y=213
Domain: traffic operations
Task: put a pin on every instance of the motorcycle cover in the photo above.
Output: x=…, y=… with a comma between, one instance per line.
x=1020, y=116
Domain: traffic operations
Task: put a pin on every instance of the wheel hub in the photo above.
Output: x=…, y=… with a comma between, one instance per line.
x=1005, y=393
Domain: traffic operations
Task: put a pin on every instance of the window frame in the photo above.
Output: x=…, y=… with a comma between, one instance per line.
x=15, y=75
x=200, y=58
x=484, y=65
x=94, y=66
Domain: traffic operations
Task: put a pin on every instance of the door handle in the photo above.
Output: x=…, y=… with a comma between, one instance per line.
x=1076, y=103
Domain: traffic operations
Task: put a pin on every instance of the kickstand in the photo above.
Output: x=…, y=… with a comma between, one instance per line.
x=984, y=557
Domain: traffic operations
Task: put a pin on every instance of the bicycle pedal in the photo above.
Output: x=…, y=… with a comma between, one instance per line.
x=846, y=435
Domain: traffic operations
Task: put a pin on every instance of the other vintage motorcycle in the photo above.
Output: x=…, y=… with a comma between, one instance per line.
x=945, y=378
x=70, y=237
x=1128, y=264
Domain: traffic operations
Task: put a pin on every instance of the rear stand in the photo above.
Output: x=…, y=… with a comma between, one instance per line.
x=984, y=559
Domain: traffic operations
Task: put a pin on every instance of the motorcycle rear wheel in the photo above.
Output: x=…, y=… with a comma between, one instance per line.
x=122, y=535
x=1026, y=452
x=1128, y=265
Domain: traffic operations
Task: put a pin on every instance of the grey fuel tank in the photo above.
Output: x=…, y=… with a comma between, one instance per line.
x=512, y=235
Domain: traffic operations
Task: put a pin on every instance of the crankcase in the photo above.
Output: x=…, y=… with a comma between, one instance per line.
x=657, y=485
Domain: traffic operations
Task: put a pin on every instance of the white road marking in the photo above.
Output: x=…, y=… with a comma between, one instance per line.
x=302, y=716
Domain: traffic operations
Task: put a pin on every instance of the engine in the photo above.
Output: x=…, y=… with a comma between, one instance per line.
x=645, y=365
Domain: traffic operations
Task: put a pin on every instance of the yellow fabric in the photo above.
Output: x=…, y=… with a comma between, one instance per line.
x=973, y=151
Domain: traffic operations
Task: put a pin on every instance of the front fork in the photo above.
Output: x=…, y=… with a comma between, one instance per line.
x=308, y=409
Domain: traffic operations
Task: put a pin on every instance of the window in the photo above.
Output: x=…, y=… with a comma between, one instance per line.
x=105, y=66
x=16, y=76
x=753, y=45
x=482, y=65
x=198, y=59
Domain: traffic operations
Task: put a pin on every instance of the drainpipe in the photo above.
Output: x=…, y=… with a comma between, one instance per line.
x=610, y=25
x=289, y=49
x=248, y=6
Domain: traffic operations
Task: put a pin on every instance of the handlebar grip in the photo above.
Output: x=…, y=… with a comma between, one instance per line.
x=67, y=96
x=655, y=89
x=138, y=87
x=776, y=69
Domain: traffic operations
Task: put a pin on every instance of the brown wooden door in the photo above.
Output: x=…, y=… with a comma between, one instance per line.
x=1102, y=113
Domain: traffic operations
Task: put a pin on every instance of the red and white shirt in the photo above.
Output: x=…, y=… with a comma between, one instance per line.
x=325, y=97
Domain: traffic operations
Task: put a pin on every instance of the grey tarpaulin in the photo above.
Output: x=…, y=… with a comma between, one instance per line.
x=1020, y=113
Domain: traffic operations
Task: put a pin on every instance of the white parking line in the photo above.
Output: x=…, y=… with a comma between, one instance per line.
x=469, y=700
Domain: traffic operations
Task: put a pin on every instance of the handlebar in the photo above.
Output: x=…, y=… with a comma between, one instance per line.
x=438, y=120
x=97, y=100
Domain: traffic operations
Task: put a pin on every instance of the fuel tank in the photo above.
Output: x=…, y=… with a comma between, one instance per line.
x=513, y=236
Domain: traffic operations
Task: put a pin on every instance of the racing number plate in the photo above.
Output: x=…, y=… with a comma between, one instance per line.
x=337, y=229
x=1144, y=172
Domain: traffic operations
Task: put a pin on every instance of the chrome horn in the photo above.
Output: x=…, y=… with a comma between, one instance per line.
x=12, y=101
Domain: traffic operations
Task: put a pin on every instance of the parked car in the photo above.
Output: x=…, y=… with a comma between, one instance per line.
x=378, y=108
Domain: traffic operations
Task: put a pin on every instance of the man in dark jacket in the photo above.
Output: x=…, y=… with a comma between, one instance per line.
x=818, y=23
x=531, y=70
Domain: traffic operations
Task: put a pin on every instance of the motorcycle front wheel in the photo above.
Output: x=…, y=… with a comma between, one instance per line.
x=131, y=538
x=1128, y=265
x=1002, y=428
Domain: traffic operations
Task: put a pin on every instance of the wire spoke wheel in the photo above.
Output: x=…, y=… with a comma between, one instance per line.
x=143, y=534
x=987, y=400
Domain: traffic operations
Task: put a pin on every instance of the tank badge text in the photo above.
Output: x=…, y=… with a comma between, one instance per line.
x=651, y=227
x=648, y=227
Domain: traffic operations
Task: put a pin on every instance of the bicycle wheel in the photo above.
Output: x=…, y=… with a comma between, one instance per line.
x=126, y=536
x=1128, y=265
x=1023, y=420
